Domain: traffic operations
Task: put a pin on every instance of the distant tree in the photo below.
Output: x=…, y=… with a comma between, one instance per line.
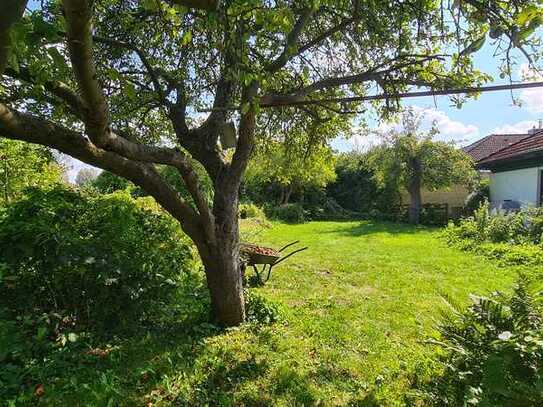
x=23, y=165
x=107, y=182
x=356, y=187
x=410, y=156
x=86, y=176
x=292, y=170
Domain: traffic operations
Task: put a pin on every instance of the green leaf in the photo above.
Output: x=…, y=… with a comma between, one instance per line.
x=187, y=38
x=150, y=5
x=130, y=90
x=72, y=337
x=245, y=108
x=474, y=46
x=57, y=57
x=41, y=334
x=13, y=61
x=494, y=375
x=527, y=14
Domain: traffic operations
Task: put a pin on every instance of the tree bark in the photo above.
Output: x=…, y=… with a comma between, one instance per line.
x=224, y=280
x=414, y=191
x=286, y=191
x=10, y=13
x=221, y=260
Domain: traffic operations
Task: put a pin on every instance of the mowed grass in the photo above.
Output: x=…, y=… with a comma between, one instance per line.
x=356, y=308
x=363, y=297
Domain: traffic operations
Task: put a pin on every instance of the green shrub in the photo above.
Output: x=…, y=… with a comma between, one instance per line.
x=534, y=224
x=517, y=227
x=357, y=188
x=493, y=352
x=511, y=255
x=498, y=228
x=249, y=210
x=290, y=213
x=104, y=260
x=512, y=239
x=478, y=196
x=260, y=310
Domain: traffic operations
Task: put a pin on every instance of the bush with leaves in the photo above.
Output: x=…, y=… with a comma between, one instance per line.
x=260, y=310
x=108, y=182
x=357, y=188
x=512, y=238
x=493, y=352
x=106, y=261
x=24, y=165
x=480, y=194
x=249, y=210
x=289, y=213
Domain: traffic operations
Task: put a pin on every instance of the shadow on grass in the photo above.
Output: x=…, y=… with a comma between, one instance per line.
x=184, y=363
x=379, y=227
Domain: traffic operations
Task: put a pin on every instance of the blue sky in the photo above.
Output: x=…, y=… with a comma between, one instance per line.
x=492, y=112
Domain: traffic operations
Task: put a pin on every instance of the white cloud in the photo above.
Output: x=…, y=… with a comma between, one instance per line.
x=449, y=129
x=517, y=128
x=531, y=98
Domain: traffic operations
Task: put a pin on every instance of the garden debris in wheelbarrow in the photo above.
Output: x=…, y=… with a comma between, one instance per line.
x=259, y=254
x=253, y=255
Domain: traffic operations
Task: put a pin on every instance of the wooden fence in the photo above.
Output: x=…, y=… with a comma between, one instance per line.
x=430, y=214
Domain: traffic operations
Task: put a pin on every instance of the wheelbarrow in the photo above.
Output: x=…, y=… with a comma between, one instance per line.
x=264, y=257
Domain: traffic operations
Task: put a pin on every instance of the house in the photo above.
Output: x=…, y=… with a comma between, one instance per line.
x=515, y=170
x=511, y=163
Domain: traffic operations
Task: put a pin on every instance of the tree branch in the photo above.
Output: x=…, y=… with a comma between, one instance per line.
x=26, y=127
x=292, y=38
x=57, y=88
x=11, y=11
x=79, y=32
x=331, y=31
x=245, y=142
x=374, y=74
x=326, y=34
x=144, y=60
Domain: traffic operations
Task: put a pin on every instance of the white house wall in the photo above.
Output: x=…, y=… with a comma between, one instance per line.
x=517, y=185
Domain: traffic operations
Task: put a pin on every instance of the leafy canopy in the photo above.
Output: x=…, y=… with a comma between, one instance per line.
x=442, y=164
x=25, y=165
x=293, y=49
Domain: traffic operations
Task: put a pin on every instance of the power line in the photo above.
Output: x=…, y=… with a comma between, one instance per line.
x=291, y=101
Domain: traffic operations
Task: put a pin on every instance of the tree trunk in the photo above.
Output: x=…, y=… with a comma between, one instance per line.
x=286, y=191
x=414, y=192
x=414, y=206
x=225, y=286
x=221, y=257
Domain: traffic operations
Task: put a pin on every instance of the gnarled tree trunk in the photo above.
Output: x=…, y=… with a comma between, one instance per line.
x=221, y=261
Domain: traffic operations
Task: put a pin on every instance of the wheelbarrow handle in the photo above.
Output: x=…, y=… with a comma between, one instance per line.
x=288, y=255
x=288, y=245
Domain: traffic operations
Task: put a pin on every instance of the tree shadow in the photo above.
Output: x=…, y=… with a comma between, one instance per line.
x=379, y=227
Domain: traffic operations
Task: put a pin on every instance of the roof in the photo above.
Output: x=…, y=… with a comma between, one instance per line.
x=492, y=144
x=528, y=145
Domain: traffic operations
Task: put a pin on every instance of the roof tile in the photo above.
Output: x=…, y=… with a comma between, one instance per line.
x=530, y=144
x=492, y=144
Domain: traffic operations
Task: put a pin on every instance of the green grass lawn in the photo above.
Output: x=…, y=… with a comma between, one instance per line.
x=356, y=307
x=361, y=299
